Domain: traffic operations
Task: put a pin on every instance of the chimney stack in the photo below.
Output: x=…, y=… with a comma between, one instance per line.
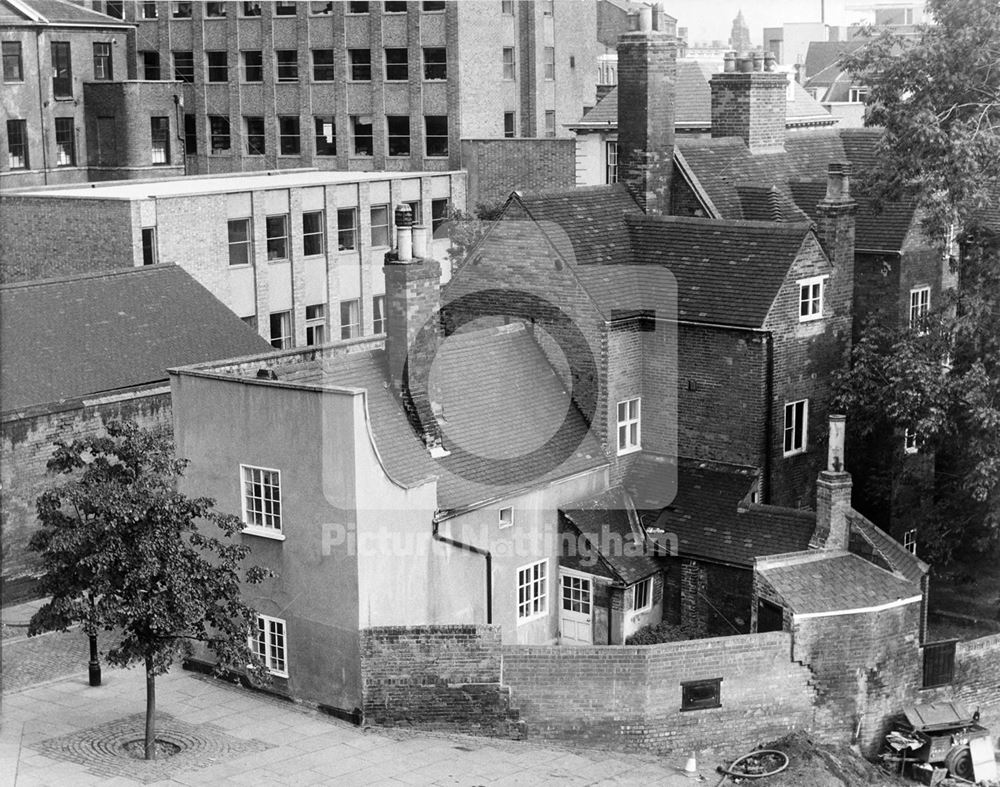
x=647, y=76
x=749, y=102
x=835, y=230
x=833, y=493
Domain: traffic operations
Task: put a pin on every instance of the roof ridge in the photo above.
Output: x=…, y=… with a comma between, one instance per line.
x=767, y=508
x=84, y=276
x=788, y=227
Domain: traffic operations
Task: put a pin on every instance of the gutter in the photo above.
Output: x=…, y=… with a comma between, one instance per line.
x=477, y=551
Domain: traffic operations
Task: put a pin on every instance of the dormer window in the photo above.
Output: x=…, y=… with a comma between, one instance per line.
x=506, y=517
x=858, y=95
x=811, y=299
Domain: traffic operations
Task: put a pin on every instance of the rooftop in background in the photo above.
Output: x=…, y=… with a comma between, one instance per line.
x=30, y=13
x=85, y=335
x=212, y=184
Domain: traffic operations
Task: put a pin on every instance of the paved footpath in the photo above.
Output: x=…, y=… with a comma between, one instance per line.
x=65, y=732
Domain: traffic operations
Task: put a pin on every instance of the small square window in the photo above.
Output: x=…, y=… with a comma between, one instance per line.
x=315, y=324
x=811, y=299
x=256, y=139
x=361, y=128
x=701, y=694
x=380, y=225
x=378, y=314
x=629, y=426
x=642, y=594
x=323, y=65
x=281, y=330
x=435, y=63
x=347, y=229
x=361, y=64
x=215, y=10
x=506, y=518
x=253, y=66
x=240, y=242
x=796, y=427
x=287, y=61
x=251, y=9
x=399, y=135
x=326, y=135
x=149, y=10
x=313, y=233
x=350, y=322
x=277, y=237
x=397, y=68
x=270, y=645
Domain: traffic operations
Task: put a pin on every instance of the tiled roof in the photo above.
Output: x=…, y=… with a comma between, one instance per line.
x=71, y=337
x=606, y=523
x=834, y=581
x=502, y=431
x=895, y=555
x=693, y=106
x=55, y=12
x=710, y=517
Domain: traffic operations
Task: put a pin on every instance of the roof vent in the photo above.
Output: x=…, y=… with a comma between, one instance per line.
x=266, y=374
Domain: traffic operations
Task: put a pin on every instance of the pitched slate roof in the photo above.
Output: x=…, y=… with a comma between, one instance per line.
x=55, y=12
x=710, y=516
x=897, y=557
x=605, y=521
x=71, y=337
x=834, y=581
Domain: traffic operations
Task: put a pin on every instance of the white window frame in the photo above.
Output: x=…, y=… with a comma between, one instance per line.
x=910, y=441
x=353, y=324
x=790, y=427
x=611, y=161
x=505, y=517
x=629, y=444
x=265, y=646
x=648, y=584
x=531, y=579
x=920, y=305
x=378, y=314
x=509, y=64
x=268, y=531
x=286, y=336
x=910, y=541
x=316, y=325
x=247, y=243
x=811, y=295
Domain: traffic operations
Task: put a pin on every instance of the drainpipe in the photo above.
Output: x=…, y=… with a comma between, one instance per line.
x=181, y=133
x=765, y=492
x=41, y=106
x=475, y=550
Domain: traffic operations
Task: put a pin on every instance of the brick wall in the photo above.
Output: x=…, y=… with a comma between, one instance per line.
x=977, y=680
x=630, y=696
x=26, y=444
x=750, y=106
x=497, y=167
x=436, y=676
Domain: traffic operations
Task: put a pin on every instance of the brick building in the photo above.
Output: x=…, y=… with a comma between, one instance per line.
x=297, y=254
x=362, y=85
x=68, y=111
x=81, y=350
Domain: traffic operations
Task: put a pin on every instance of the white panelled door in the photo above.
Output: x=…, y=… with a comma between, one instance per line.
x=576, y=596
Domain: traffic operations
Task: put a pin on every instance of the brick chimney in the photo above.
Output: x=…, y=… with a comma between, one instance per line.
x=412, y=304
x=749, y=102
x=647, y=77
x=835, y=229
x=833, y=493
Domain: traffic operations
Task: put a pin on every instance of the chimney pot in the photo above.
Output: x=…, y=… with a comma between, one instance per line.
x=729, y=64
x=404, y=233
x=758, y=61
x=769, y=61
x=746, y=64
x=645, y=19
x=419, y=242
x=835, y=453
x=838, y=181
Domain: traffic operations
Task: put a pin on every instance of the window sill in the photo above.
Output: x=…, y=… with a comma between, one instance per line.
x=631, y=450
x=241, y=266
x=790, y=454
x=701, y=707
x=537, y=616
x=274, y=535
x=62, y=98
x=814, y=318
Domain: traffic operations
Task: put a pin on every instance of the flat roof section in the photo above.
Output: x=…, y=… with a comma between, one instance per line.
x=215, y=184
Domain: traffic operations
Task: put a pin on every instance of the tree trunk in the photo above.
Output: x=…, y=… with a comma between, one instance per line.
x=150, y=710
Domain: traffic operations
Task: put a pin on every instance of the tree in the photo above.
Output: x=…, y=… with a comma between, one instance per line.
x=466, y=230
x=121, y=551
x=937, y=97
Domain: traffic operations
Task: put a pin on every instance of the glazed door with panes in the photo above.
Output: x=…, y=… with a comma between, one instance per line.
x=576, y=592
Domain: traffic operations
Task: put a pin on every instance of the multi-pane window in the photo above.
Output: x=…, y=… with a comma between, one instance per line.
x=361, y=64
x=253, y=66
x=509, y=123
x=65, y=142
x=184, y=66
x=240, y=242
x=255, y=137
x=796, y=427
x=219, y=132
x=251, y=8
x=115, y=8
x=287, y=61
x=435, y=62
x=576, y=593
x=380, y=225
x=261, y=497
x=190, y=134
x=858, y=95
x=811, y=299
x=549, y=62
x=288, y=135
x=439, y=214
x=397, y=62
x=395, y=6
x=149, y=245
x=629, y=425
x=508, y=62
x=378, y=314
x=148, y=10
x=17, y=144
x=920, y=305
x=315, y=324
x=102, y=61
x=323, y=65
x=281, y=330
x=326, y=135
x=910, y=540
x=159, y=134
x=532, y=591
x=215, y=10
x=436, y=135
x=181, y=10
x=611, y=159
x=313, y=233
x=399, y=135
x=284, y=8
x=150, y=65
x=276, y=229
x=361, y=134
x=642, y=594
x=350, y=321
x=218, y=66
x=13, y=66
x=268, y=643
x=550, y=122
x=62, y=70
x=347, y=229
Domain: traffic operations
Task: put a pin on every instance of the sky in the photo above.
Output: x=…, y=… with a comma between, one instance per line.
x=714, y=20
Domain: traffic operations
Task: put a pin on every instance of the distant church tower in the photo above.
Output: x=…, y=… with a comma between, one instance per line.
x=740, y=38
